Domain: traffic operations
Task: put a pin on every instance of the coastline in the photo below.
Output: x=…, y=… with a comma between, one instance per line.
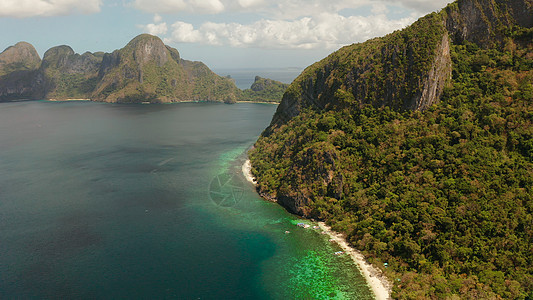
x=378, y=283
x=247, y=172
x=258, y=102
x=68, y=99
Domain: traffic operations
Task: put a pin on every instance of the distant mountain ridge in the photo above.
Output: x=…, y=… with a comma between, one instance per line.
x=145, y=70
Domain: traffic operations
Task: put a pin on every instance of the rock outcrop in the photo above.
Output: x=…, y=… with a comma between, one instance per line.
x=20, y=57
x=405, y=70
x=18, y=72
x=480, y=21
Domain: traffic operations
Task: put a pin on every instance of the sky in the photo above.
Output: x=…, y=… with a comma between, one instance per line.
x=221, y=33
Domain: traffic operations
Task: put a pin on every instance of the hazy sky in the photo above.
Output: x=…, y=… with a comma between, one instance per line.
x=221, y=33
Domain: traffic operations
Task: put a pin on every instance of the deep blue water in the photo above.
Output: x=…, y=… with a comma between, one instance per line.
x=102, y=201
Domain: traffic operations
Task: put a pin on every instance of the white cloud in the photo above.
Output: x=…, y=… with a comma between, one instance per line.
x=155, y=29
x=284, y=9
x=323, y=31
x=423, y=6
x=158, y=18
x=176, y=6
x=251, y=3
x=209, y=6
x=32, y=8
x=286, y=24
x=185, y=33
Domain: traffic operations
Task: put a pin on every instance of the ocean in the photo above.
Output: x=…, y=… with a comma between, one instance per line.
x=105, y=201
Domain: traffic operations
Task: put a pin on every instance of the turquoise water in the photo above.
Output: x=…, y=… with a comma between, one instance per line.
x=120, y=201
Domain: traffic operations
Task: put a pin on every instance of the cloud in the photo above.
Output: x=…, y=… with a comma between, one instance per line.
x=423, y=6
x=47, y=8
x=286, y=24
x=280, y=9
x=323, y=31
x=176, y=6
x=158, y=18
x=250, y=3
x=155, y=29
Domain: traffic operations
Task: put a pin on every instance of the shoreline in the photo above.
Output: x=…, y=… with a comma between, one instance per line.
x=378, y=283
x=146, y=102
x=247, y=172
x=258, y=102
x=66, y=100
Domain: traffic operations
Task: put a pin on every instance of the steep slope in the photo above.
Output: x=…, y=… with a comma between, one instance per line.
x=68, y=75
x=418, y=146
x=147, y=70
x=20, y=57
x=18, y=72
x=406, y=69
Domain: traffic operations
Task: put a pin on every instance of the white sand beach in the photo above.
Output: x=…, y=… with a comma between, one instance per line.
x=247, y=172
x=376, y=280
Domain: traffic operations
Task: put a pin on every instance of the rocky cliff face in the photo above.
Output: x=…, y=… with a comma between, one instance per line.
x=63, y=59
x=147, y=70
x=407, y=69
x=21, y=57
x=144, y=70
x=19, y=78
x=481, y=21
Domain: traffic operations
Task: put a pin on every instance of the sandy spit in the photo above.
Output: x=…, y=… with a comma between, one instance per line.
x=379, y=284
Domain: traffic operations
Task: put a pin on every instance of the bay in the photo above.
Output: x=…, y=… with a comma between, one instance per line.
x=103, y=201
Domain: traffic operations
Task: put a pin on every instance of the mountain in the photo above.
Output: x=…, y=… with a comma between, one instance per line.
x=418, y=147
x=265, y=90
x=18, y=65
x=145, y=70
x=20, y=57
x=64, y=74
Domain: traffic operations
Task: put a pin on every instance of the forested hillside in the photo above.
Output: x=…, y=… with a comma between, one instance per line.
x=441, y=193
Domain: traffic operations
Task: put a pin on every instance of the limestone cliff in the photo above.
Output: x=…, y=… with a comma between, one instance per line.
x=405, y=70
x=147, y=70
x=18, y=72
x=65, y=74
x=20, y=57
